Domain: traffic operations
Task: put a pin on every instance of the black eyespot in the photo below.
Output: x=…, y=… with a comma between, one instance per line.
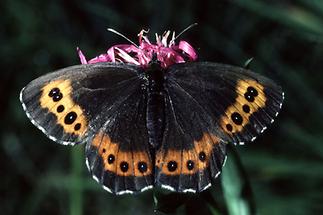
x=252, y=91
x=77, y=126
x=142, y=167
x=124, y=166
x=60, y=108
x=57, y=97
x=53, y=92
x=172, y=166
x=249, y=97
x=111, y=158
x=246, y=108
x=190, y=164
x=202, y=156
x=103, y=150
x=229, y=127
x=70, y=118
x=237, y=118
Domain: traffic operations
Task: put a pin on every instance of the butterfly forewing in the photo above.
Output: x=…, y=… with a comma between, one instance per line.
x=240, y=103
x=65, y=104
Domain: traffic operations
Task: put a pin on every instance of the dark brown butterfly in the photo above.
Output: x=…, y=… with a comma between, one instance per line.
x=153, y=124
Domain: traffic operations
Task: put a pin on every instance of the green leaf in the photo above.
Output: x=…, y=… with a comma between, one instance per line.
x=236, y=188
x=294, y=16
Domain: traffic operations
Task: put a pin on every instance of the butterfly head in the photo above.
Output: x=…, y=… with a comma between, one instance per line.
x=155, y=63
x=164, y=52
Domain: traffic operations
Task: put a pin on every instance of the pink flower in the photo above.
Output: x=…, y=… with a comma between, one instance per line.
x=168, y=53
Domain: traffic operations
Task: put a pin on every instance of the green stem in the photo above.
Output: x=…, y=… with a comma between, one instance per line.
x=76, y=192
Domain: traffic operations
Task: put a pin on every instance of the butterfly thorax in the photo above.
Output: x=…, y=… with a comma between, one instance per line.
x=155, y=103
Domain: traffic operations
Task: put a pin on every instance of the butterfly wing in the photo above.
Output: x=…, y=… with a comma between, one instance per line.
x=208, y=105
x=103, y=105
x=119, y=156
x=54, y=101
x=241, y=104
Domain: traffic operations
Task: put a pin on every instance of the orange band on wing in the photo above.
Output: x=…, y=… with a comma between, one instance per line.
x=250, y=97
x=175, y=162
x=122, y=163
x=56, y=97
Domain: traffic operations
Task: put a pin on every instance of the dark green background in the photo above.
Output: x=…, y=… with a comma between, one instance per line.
x=284, y=166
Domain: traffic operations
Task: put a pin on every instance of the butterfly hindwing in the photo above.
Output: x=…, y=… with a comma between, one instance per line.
x=101, y=104
x=119, y=156
x=191, y=153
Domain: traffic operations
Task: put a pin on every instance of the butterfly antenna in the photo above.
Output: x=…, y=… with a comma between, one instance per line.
x=183, y=31
x=123, y=36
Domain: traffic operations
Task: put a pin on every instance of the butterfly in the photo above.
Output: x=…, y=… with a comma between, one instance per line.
x=151, y=115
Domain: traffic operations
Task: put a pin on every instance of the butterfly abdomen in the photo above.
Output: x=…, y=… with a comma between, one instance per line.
x=155, y=106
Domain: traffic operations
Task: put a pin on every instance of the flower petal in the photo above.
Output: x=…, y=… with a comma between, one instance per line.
x=81, y=56
x=188, y=49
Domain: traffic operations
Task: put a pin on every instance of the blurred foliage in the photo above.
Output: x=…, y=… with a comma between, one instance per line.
x=280, y=173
